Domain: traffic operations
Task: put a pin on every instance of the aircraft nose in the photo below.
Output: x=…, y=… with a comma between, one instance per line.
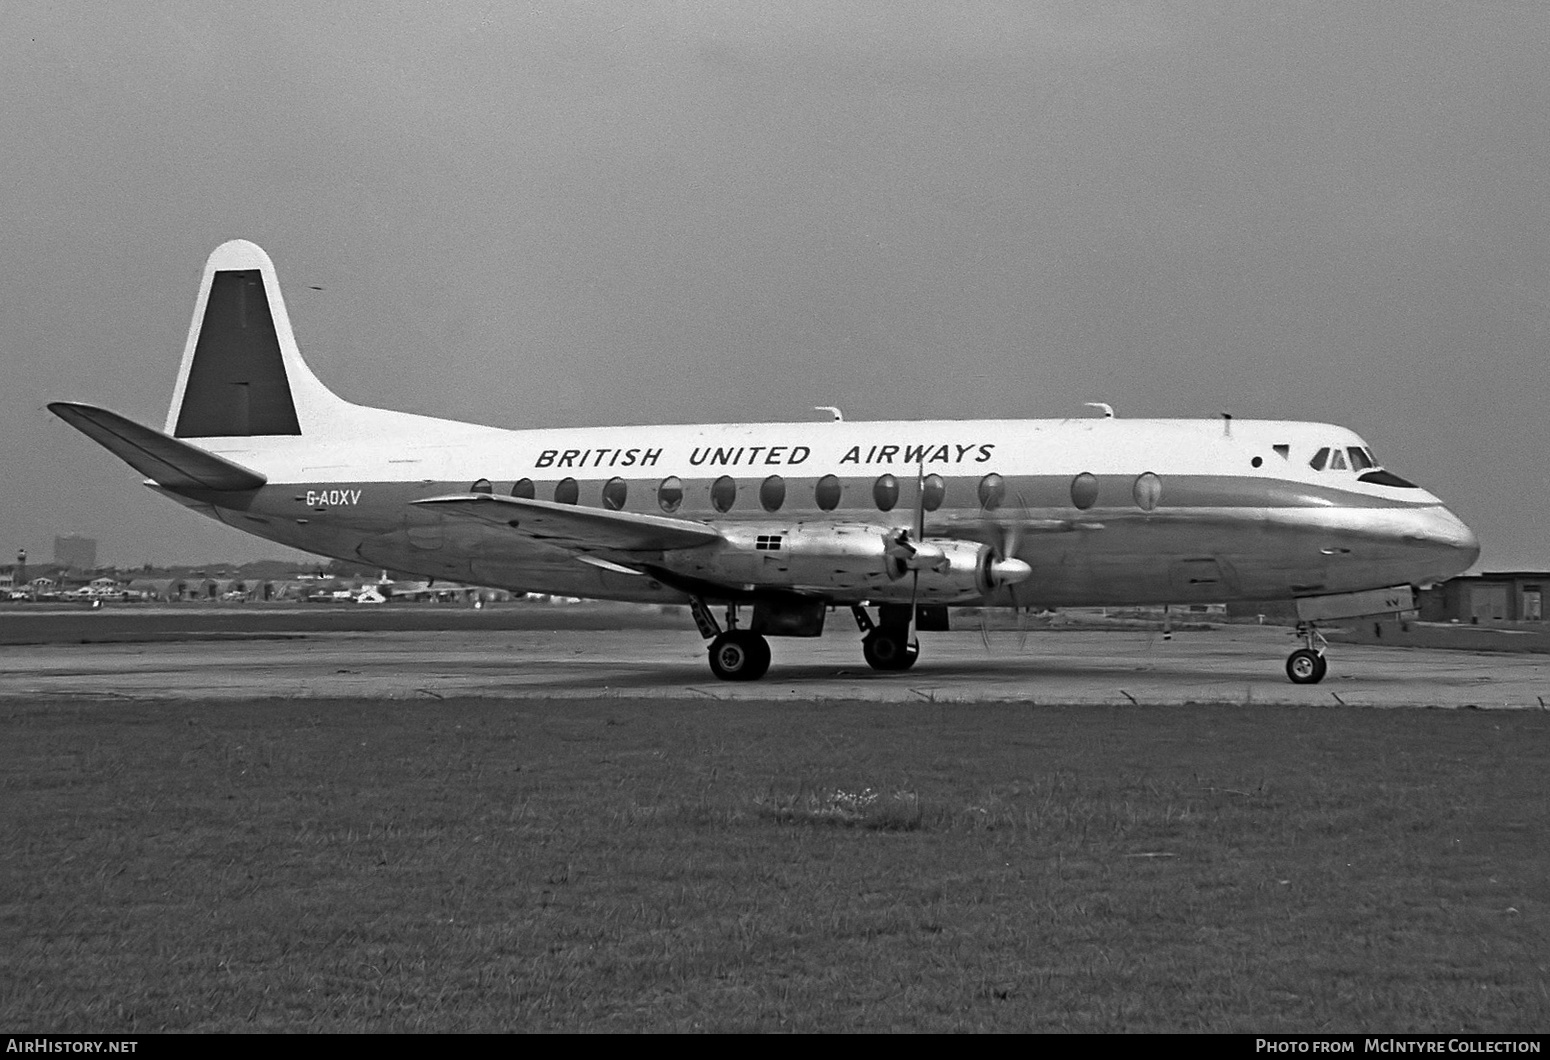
x=1447, y=532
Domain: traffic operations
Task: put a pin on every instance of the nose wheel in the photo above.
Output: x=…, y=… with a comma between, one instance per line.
x=1307, y=665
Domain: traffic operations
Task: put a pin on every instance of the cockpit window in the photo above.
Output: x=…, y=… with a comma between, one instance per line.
x=1387, y=478
x=1362, y=461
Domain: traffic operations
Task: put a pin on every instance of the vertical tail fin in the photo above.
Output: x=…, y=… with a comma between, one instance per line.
x=242, y=374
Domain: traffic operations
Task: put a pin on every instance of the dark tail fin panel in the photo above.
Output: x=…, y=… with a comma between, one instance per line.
x=236, y=382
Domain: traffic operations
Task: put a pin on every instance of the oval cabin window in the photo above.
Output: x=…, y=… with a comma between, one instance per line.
x=723, y=493
x=827, y=493
x=566, y=491
x=885, y=493
x=1084, y=491
x=1147, y=491
x=933, y=492
x=992, y=492
x=615, y=491
x=523, y=488
x=670, y=494
x=772, y=493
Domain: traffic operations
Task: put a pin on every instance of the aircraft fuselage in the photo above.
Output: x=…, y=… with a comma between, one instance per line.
x=1106, y=511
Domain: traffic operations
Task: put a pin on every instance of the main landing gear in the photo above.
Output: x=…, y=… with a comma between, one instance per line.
x=737, y=654
x=1307, y=665
x=885, y=647
x=743, y=655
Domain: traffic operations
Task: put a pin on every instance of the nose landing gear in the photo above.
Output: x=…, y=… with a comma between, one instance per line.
x=1307, y=665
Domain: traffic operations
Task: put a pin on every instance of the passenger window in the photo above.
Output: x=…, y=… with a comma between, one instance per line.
x=566, y=491
x=1360, y=461
x=1147, y=491
x=1320, y=458
x=772, y=493
x=827, y=493
x=723, y=493
x=885, y=492
x=992, y=491
x=1336, y=460
x=615, y=490
x=670, y=494
x=482, y=486
x=1084, y=490
x=933, y=492
x=523, y=488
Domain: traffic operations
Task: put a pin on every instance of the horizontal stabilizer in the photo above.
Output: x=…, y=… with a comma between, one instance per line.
x=581, y=529
x=172, y=463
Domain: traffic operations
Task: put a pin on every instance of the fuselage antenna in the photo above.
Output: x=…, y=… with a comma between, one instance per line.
x=1108, y=410
x=831, y=410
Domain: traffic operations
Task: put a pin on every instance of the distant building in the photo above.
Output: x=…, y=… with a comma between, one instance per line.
x=74, y=552
x=1495, y=596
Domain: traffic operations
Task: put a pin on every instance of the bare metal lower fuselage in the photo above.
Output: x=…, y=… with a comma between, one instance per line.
x=1104, y=556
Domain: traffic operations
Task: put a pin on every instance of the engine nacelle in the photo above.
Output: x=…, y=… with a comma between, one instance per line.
x=853, y=559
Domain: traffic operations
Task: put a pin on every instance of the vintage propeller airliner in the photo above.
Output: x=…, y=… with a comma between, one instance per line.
x=778, y=523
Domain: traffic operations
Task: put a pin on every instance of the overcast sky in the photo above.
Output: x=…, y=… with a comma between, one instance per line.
x=543, y=214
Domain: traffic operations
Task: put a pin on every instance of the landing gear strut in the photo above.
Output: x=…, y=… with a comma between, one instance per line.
x=1307, y=665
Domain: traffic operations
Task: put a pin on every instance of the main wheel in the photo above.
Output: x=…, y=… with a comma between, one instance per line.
x=739, y=655
x=1306, y=667
x=887, y=649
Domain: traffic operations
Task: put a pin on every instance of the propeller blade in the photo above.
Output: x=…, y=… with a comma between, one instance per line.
x=920, y=501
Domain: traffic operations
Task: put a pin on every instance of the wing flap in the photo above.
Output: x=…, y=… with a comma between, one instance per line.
x=172, y=463
x=575, y=528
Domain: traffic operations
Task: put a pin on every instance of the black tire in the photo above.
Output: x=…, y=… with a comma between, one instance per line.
x=887, y=649
x=1306, y=667
x=739, y=656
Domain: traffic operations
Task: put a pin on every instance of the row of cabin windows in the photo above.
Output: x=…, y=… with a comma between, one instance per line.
x=1146, y=492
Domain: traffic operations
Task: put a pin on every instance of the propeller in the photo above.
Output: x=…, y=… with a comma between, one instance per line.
x=912, y=638
x=1007, y=569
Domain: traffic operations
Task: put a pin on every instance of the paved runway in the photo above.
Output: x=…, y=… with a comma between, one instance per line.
x=1238, y=665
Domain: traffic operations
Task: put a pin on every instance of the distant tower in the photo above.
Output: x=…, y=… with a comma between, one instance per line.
x=21, y=568
x=75, y=552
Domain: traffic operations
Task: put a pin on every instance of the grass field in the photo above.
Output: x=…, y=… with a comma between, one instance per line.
x=677, y=865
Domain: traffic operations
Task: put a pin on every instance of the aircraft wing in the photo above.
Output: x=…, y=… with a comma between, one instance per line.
x=171, y=462
x=575, y=528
